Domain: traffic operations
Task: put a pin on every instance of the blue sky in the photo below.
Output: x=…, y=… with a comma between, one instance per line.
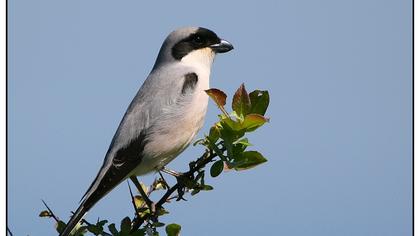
x=338, y=143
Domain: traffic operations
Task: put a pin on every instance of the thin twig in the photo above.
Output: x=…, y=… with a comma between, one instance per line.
x=200, y=163
x=132, y=199
x=83, y=221
x=142, y=193
x=195, y=166
x=164, y=180
x=8, y=231
x=139, y=220
x=152, y=188
x=51, y=212
x=171, y=198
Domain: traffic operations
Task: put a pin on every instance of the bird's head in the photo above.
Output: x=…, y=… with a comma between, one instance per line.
x=192, y=45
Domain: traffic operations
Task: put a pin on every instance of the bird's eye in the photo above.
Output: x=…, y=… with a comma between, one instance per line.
x=198, y=40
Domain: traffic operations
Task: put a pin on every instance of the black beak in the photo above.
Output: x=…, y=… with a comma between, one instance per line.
x=222, y=47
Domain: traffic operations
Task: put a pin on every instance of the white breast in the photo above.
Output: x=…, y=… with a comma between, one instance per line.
x=184, y=121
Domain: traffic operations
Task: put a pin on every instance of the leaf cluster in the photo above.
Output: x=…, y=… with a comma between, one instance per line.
x=226, y=147
x=228, y=134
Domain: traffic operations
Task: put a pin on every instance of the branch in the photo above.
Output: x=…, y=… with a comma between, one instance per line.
x=51, y=212
x=225, y=140
x=8, y=231
x=90, y=224
x=195, y=166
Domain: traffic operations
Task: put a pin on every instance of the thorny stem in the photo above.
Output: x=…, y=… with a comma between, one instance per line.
x=8, y=231
x=132, y=199
x=139, y=220
x=195, y=166
x=89, y=224
x=145, y=196
x=51, y=212
x=164, y=181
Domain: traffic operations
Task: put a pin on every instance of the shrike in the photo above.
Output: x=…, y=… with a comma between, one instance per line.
x=164, y=116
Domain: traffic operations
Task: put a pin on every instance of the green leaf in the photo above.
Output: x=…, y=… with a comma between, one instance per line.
x=45, y=214
x=138, y=201
x=80, y=231
x=95, y=229
x=161, y=211
x=235, y=115
x=244, y=142
x=160, y=185
x=173, y=230
x=201, y=178
x=219, y=152
x=232, y=124
x=102, y=222
x=158, y=224
x=144, y=211
x=253, y=121
x=259, y=101
x=218, y=96
x=125, y=225
x=241, y=102
x=113, y=230
x=216, y=168
x=59, y=226
x=231, y=130
x=248, y=159
x=139, y=232
x=195, y=191
x=227, y=135
x=206, y=187
x=238, y=149
x=214, y=134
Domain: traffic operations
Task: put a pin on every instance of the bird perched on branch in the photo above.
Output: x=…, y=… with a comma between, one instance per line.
x=164, y=116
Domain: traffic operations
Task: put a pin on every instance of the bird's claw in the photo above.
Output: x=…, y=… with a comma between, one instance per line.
x=171, y=172
x=184, y=182
x=181, y=193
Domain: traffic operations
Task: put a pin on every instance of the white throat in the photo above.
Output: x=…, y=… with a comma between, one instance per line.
x=201, y=60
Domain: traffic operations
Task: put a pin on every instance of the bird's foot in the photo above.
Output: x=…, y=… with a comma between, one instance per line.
x=175, y=174
x=184, y=182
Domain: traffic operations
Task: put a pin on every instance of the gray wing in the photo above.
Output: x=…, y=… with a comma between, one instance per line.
x=159, y=91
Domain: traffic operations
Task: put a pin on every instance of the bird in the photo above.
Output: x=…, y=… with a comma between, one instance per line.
x=164, y=116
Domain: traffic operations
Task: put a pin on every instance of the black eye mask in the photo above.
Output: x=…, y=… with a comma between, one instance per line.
x=201, y=39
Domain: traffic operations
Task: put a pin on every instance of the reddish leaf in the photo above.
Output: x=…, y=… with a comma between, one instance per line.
x=241, y=102
x=218, y=96
x=45, y=214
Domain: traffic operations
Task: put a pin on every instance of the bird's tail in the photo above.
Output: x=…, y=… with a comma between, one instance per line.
x=74, y=220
